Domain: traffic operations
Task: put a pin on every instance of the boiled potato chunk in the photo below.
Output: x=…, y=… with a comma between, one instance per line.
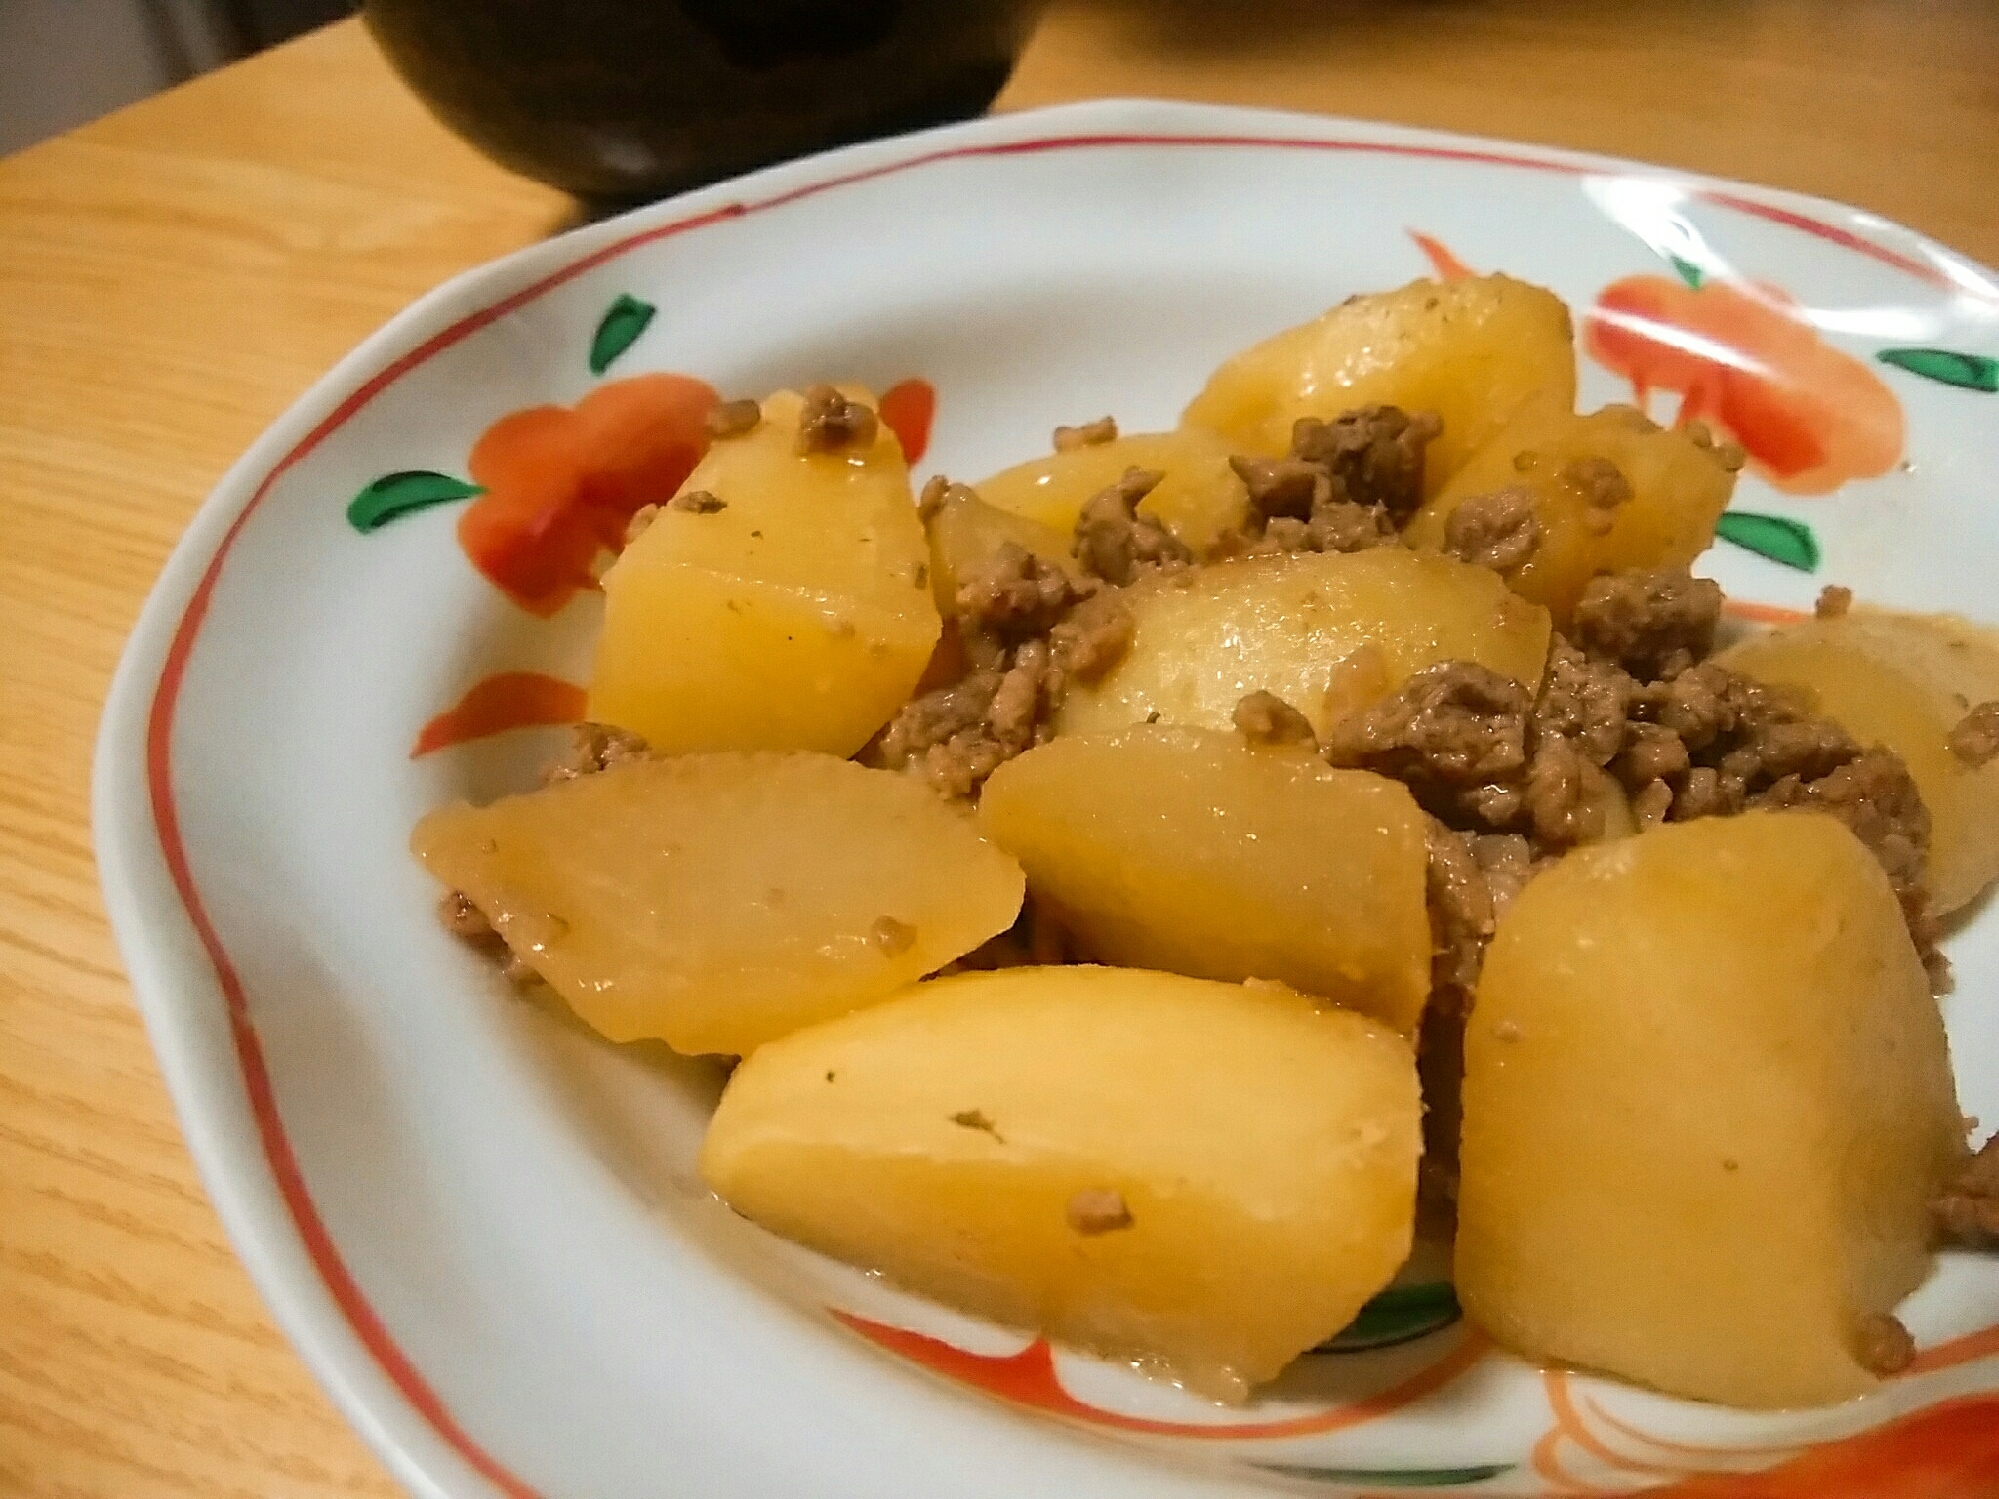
x=798, y=616
x=1706, y=1101
x=1207, y=1178
x=1678, y=491
x=1905, y=680
x=1473, y=351
x=718, y=901
x=1185, y=849
x=1200, y=499
x=1327, y=632
x=966, y=531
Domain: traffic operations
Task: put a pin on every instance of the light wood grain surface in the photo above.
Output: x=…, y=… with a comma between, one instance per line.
x=172, y=277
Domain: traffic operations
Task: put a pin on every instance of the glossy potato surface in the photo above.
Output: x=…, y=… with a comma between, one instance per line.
x=1473, y=351
x=1679, y=490
x=1199, y=500
x=1706, y=1099
x=1327, y=632
x=717, y=901
x=1206, y=1178
x=1186, y=850
x=797, y=617
x=1905, y=680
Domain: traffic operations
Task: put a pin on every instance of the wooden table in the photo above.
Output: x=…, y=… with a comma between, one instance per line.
x=172, y=277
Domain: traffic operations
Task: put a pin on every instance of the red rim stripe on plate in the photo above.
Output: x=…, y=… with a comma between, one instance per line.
x=367, y=1325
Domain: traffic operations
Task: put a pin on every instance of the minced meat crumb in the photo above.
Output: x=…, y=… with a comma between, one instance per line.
x=829, y=422
x=1098, y=1210
x=594, y=747
x=1975, y=738
x=733, y=419
x=1114, y=542
x=1448, y=728
x=1730, y=455
x=1088, y=435
x=1264, y=718
x=1498, y=530
x=697, y=502
x=1603, y=488
x=1284, y=486
x=1882, y=1345
x=465, y=921
x=640, y=523
x=1653, y=624
x=1028, y=628
x=1093, y=636
x=891, y=936
x=1373, y=455
x=1833, y=602
x=1967, y=1209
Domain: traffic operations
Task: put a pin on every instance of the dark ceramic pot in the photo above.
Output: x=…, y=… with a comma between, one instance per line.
x=632, y=99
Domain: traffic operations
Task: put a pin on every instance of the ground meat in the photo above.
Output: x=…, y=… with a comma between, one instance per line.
x=1089, y=435
x=1098, y=1210
x=1967, y=1209
x=1653, y=624
x=1373, y=455
x=1497, y=530
x=1114, y=542
x=733, y=419
x=1603, y=488
x=829, y=422
x=1461, y=909
x=1586, y=701
x=1284, y=486
x=891, y=936
x=1013, y=596
x=1448, y=729
x=1508, y=861
x=1556, y=799
x=936, y=490
x=1027, y=628
x=697, y=502
x=1882, y=1345
x=1833, y=602
x=1975, y=739
x=466, y=921
x=1093, y=636
x=640, y=523
x=594, y=747
x=1346, y=527
x=1729, y=455
x=1650, y=804
x=1264, y=718
x=1874, y=794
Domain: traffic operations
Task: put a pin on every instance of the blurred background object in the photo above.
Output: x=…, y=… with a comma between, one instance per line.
x=63, y=62
x=630, y=99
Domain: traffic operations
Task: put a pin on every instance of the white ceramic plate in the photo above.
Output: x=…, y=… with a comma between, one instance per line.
x=483, y=1229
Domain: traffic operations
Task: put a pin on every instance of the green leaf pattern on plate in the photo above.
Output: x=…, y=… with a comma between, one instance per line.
x=1946, y=367
x=618, y=330
x=1690, y=273
x=1391, y=1478
x=1777, y=537
x=1400, y=1314
x=398, y=494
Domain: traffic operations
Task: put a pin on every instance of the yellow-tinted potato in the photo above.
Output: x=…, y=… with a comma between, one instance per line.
x=1204, y=1177
x=1327, y=632
x=1905, y=680
x=1200, y=499
x=1706, y=1100
x=717, y=901
x=1679, y=490
x=1473, y=351
x=796, y=617
x=966, y=530
x=1184, y=849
